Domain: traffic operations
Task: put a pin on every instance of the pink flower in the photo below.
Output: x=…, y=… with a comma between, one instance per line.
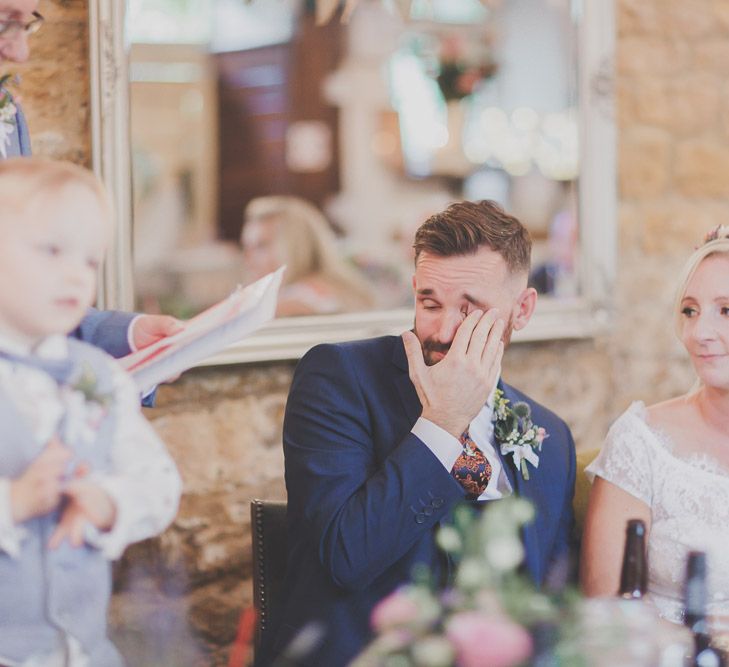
x=487, y=640
x=541, y=434
x=468, y=80
x=395, y=611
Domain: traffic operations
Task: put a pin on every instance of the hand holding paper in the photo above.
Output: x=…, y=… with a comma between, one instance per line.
x=221, y=325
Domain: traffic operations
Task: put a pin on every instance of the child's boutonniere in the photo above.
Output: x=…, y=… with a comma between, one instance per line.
x=87, y=385
x=8, y=112
x=86, y=406
x=516, y=433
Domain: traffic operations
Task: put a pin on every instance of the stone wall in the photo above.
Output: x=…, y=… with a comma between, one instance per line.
x=224, y=425
x=55, y=83
x=224, y=429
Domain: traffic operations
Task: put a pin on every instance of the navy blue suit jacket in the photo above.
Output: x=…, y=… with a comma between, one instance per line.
x=365, y=496
x=107, y=329
x=20, y=138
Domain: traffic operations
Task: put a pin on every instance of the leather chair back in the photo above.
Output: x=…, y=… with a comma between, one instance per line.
x=269, y=542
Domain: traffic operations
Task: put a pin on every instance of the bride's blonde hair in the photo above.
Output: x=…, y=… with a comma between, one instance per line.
x=309, y=246
x=715, y=242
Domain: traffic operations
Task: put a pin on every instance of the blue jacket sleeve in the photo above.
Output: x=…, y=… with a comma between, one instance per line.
x=363, y=503
x=23, y=137
x=107, y=330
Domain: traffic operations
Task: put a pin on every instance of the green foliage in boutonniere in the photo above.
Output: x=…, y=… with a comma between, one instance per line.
x=86, y=406
x=5, y=80
x=8, y=111
x=87, y=384
x=516, y=433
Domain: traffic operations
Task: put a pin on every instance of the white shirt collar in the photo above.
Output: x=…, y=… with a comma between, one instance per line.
x=51, y=347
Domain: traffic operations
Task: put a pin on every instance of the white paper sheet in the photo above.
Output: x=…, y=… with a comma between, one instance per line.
x=225, y=323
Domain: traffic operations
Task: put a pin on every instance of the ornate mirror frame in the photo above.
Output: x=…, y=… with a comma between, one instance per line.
x=289, y=338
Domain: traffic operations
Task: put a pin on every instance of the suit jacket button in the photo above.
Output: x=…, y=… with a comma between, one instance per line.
x=427, y=510
x=437, y=503
x=419, y=518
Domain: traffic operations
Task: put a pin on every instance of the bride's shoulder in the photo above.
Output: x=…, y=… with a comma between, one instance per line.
x=635, y=413
x=666, y=415
x=639, y=423
x=630, y=446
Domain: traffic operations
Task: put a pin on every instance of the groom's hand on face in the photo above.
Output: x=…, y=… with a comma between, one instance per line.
x=454, y=390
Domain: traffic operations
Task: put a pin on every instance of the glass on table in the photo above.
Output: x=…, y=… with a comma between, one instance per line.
x=615, y=631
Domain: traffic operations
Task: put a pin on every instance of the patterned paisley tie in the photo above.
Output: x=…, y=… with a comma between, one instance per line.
x=471, y=469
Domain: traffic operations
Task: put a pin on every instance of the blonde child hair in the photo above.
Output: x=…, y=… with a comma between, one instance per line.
x=24, y=181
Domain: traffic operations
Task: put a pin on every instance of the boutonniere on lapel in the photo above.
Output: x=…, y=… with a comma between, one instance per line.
x=516, y=433
x=86, y=406
x=8, y=112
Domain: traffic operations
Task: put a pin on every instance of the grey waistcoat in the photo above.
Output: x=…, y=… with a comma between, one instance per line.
x=44, y=593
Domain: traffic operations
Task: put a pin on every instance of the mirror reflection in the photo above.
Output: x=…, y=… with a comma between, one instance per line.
x=260, y=138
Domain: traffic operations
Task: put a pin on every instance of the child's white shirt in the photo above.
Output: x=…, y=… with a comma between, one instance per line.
x=143, y=483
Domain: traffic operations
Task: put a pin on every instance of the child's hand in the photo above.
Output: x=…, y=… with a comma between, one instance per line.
x=86, y=503
x=148, y=329
x=38, y=490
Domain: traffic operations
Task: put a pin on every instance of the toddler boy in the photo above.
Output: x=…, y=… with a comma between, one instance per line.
x=82, y=473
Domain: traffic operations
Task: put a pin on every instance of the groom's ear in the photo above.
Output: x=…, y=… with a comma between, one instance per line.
x=524, y=308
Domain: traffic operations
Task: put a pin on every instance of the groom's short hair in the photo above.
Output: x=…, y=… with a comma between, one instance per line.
x=466, y=226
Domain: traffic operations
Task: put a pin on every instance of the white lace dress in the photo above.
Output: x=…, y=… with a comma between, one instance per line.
x=689, y=502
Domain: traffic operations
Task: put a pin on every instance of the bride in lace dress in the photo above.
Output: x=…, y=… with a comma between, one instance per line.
x=668, y=464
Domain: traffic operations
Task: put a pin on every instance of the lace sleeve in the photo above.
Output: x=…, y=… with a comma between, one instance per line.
x=626, y=457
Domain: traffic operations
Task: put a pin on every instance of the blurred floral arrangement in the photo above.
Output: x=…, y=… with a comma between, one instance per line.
x=462, y=67
x=493, y=616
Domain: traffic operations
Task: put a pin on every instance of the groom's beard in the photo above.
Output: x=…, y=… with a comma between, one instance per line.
x=432, y=347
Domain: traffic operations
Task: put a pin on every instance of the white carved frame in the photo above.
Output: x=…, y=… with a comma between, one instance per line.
x=290, y=338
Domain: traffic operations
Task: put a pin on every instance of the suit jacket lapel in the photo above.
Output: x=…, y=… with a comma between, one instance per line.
x=406, y=390
x=531, y=490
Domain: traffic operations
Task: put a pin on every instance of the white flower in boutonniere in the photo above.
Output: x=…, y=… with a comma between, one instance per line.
x=516, y=433
x=85, y=407
x=8, y=112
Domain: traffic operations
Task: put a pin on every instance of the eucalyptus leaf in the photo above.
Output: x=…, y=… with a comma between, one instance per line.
x=522, y=409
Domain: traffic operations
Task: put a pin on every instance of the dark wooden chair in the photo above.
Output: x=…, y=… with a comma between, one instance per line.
x=269, y=542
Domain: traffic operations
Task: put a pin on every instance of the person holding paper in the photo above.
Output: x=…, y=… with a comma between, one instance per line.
x=228, y=321
x=116, y=332
x=82, y=473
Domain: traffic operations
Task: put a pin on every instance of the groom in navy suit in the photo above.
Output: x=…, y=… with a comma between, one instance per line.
x=384, y=437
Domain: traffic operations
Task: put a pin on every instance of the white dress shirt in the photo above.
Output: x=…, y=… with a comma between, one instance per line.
x=447, y=448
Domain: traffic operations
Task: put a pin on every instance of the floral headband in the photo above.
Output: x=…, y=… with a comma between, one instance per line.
x=719, y=232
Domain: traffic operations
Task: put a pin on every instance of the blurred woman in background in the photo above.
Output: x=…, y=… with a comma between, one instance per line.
x=318, y=280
